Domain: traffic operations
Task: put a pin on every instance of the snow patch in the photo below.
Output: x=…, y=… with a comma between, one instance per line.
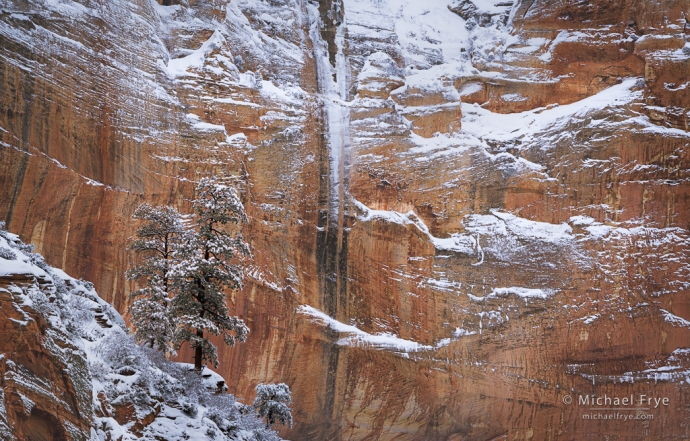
x=459, y=243
x=674, y=319
x=525, y=293
x=195, y=60
x=357, y=337
x=488, y=125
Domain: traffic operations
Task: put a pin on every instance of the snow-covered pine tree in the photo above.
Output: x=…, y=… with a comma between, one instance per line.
x=157, y=239
x=272, y=403
x=203, y=273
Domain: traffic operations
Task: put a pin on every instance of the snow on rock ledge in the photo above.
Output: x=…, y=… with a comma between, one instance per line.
x=525, y=293
x=356, y=337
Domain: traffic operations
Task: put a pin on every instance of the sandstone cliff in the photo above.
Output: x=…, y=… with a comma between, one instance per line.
x=460, y=211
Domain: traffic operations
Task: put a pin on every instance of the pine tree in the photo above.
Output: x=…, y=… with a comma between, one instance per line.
x=203, y=273
x=272, y=402
x=157, y=240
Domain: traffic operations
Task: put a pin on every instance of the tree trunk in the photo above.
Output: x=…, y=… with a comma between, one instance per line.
x=200, y=332
x=198, y=354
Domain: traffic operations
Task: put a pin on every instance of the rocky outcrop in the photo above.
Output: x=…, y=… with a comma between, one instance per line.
x=45, y=379
x=483, y=204
x=42, y=374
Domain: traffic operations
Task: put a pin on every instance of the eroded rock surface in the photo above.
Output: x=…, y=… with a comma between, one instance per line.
x=43, y=374
x=460, y=211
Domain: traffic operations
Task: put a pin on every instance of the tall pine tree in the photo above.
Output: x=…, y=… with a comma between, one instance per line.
x=157, y=240
x=203, y=273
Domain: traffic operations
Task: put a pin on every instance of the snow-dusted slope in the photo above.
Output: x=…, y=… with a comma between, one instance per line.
x=127, y=392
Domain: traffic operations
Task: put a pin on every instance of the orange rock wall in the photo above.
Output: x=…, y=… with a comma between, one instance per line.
x=91, y=129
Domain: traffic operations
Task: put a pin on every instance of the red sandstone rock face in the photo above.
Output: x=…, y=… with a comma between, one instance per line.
x=46, y=386
x=546, y=254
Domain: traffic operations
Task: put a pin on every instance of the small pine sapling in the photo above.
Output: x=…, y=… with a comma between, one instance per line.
x=203, y=273
x=272, y=403
x=157, y=240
